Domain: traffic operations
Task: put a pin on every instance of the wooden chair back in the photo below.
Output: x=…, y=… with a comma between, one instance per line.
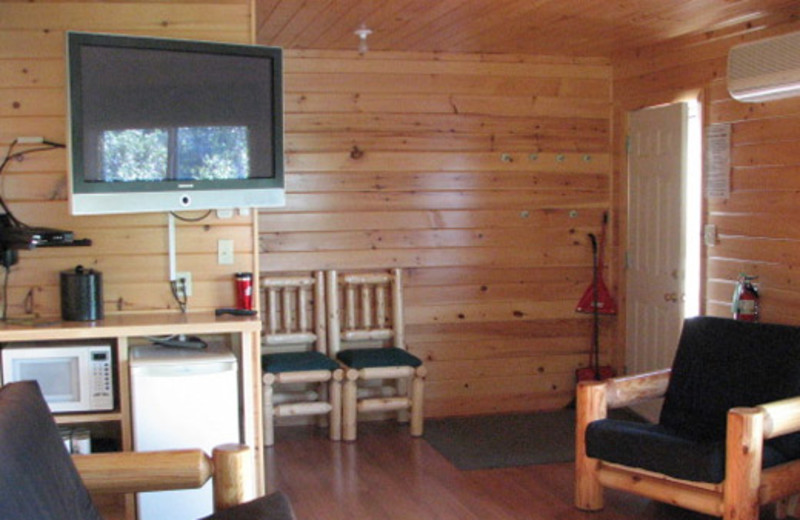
x=366, y=309
x=295, y=311
x=295, y=357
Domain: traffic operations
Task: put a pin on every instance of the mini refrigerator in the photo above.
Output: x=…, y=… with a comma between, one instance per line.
x=182, y=398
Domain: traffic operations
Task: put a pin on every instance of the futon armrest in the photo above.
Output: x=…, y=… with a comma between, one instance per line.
x=133, y=472
x=594, y=398
x=624, y=391
x=781, y=417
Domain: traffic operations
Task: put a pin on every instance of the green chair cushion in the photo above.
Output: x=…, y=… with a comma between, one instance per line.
x=297, y=362
x=378, y=357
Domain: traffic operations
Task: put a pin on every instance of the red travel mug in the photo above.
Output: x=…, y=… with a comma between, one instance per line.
x=244, y=291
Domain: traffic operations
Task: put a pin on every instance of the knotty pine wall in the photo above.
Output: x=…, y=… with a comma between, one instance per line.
x=481, y=177
x=130, y=250
x=759, y=224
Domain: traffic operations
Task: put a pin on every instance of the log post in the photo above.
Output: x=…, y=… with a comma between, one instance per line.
x=233, y=475
x=334, y=314
x=404, y=389
x=743, y=455
x=591, y=406
x=135, y=471
x=320, y=324
x=349, y=405
x=269, y=411
x=398, y=317
x=335, y=396
x=417, y=399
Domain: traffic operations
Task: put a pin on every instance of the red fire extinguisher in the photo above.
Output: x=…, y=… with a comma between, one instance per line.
x=745, y=299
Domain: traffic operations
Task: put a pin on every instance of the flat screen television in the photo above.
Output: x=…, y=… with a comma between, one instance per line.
x=167, y=125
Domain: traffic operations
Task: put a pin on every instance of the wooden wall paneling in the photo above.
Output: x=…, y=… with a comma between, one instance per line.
x=692, y=49
x=209, y=20
x=482, y=178
x=130, y=250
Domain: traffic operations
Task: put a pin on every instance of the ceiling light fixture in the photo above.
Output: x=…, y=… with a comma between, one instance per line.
x=362, y=33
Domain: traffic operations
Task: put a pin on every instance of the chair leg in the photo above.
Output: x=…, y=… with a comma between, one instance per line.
x=787, y=507
x=591, y=405
x=417, y=400
x=402, y=390
x=335, y=395
x=743, y=457
x=324, y=389
x=269, y=410
x=349, y=405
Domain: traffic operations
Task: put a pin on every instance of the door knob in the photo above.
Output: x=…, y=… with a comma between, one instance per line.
x=671, y=297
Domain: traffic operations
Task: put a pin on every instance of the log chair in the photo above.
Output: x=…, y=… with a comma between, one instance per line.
x=295, y=317
x=754, y=461
x=366, y=334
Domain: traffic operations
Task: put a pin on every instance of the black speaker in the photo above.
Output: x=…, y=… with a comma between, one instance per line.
x=81, y=295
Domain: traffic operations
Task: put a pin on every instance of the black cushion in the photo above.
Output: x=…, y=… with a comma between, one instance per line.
x=297, y=362
x=275, y=506
x=655, y=448
x=721, y=364
x=37, y=477
x=378, y=357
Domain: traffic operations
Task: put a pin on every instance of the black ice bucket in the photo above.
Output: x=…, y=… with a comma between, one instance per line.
x=81, y=295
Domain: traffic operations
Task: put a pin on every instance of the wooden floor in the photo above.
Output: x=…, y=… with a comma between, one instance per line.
x=387, y=475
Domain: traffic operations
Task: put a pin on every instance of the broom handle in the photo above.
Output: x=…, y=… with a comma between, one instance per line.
x=594, y=356
x=597, y=267
x=602, y=247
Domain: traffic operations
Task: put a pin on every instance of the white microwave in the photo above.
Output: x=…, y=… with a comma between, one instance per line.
x=73, y=378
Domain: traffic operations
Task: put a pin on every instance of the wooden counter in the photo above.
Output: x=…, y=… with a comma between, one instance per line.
x=243, y=336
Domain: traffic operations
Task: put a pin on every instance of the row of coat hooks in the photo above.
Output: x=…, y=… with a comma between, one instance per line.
x=507, y=157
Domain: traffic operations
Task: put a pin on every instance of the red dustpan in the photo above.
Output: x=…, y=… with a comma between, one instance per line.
x=597, y=296
x=602, y=301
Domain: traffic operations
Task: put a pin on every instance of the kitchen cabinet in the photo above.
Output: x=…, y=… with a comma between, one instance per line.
x=240, y=334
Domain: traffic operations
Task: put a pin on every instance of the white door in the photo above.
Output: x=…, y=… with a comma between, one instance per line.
x=657, y=160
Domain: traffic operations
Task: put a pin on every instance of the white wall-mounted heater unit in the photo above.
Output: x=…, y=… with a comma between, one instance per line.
x=766, y=69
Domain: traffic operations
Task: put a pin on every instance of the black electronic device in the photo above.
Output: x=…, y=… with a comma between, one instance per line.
x=181, y=341
x=162, y=124
x=15, y=236
x=235, y=312
x=32, y=237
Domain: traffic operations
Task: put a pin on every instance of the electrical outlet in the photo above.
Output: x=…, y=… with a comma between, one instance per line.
x=186, y=276
x=225, y=252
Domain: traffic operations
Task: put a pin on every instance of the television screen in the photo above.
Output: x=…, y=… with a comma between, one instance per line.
x=164, y=125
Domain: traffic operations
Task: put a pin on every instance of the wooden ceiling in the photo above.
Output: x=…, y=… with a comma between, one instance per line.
x=542, y=27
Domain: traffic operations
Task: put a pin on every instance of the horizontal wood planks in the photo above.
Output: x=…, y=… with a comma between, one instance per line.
x=757, y=226
x=480, y=176
x=130, y=250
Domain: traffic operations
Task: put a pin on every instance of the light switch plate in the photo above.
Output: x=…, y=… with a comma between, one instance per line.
x=225, y=252
x=710, y=235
